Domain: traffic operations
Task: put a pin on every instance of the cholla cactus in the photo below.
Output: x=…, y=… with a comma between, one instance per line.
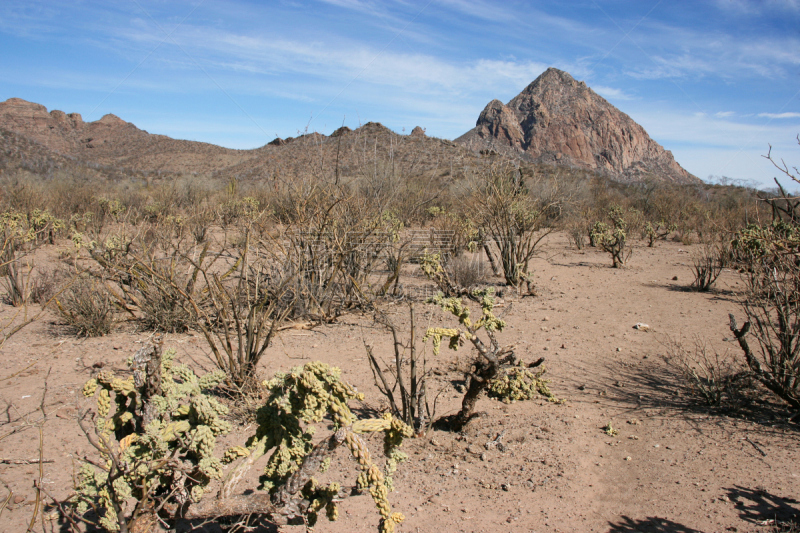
x=519, y=383
x=307, y=394
x=613, y=238
x=490, y=368
x=657, y=231
x=168, y=458
x=35, y=227
x=156, y=432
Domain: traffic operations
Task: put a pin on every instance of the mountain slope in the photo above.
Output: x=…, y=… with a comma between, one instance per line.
x=111, y=141
x=557, y=119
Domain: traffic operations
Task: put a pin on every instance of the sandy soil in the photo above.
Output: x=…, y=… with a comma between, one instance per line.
x=674, y=466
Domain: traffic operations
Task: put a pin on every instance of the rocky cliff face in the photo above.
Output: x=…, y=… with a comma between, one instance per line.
x=557, y=119
x=64, y=133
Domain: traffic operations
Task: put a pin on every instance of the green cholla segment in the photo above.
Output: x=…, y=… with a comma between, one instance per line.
x=519, y=383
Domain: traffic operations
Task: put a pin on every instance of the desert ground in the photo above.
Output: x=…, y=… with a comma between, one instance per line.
x=672, y=466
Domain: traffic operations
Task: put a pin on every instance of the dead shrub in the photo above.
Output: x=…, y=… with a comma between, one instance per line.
x=404, y=382
x=162, y=307
x=87, y=308
x=710, y=376
x=47, y=283
x=706, y=267
x=16, y=283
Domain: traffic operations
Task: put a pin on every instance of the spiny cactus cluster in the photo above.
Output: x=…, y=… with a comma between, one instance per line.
x=495, y=369
x=656, y=231
x=169, y=458
x=613, y=238
x=519, y=383
x=767, y=241
x=158, y=449
x=457, y=308
x=21, y=228
x=306, y=395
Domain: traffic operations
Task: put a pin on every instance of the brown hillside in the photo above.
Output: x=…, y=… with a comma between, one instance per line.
x=538, y=126
x=111, y=141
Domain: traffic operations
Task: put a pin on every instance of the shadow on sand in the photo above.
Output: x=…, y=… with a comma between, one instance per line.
x=759, y=507
x=649, y=525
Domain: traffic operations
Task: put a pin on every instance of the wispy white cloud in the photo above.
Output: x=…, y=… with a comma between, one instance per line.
x=343, y=60
x=611, y=93
x=483, y=10
x=780, y=115
x=757, y=6
x=707, y=145
x=724, y=114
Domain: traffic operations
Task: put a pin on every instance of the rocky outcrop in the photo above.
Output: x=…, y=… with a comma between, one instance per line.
x=418, y=132
x=559, y=120
x=64, y=133
x=111, y=141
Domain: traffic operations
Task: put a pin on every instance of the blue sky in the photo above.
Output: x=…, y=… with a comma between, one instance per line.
x=715, y=81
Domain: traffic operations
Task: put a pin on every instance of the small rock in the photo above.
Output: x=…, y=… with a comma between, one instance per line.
x=545, y=319
x=582, y=386
x=117, y=347
x=19, y=499
x=484, y=456
x=641, y=326
x=628, y=458
x=563, y=346
x=506, y=487
x=619, y=349
x=67, y=413
x=674, y=278
x=634, y=422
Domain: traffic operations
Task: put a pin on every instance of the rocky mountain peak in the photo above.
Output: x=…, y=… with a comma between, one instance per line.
x=557, y=119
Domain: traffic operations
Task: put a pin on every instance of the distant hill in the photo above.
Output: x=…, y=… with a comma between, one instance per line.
x=559, y=120
x=555, y=120
x=113, y=143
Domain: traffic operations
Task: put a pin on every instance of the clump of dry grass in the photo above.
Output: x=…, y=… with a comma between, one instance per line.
x=87, y=308
x=468, y=270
